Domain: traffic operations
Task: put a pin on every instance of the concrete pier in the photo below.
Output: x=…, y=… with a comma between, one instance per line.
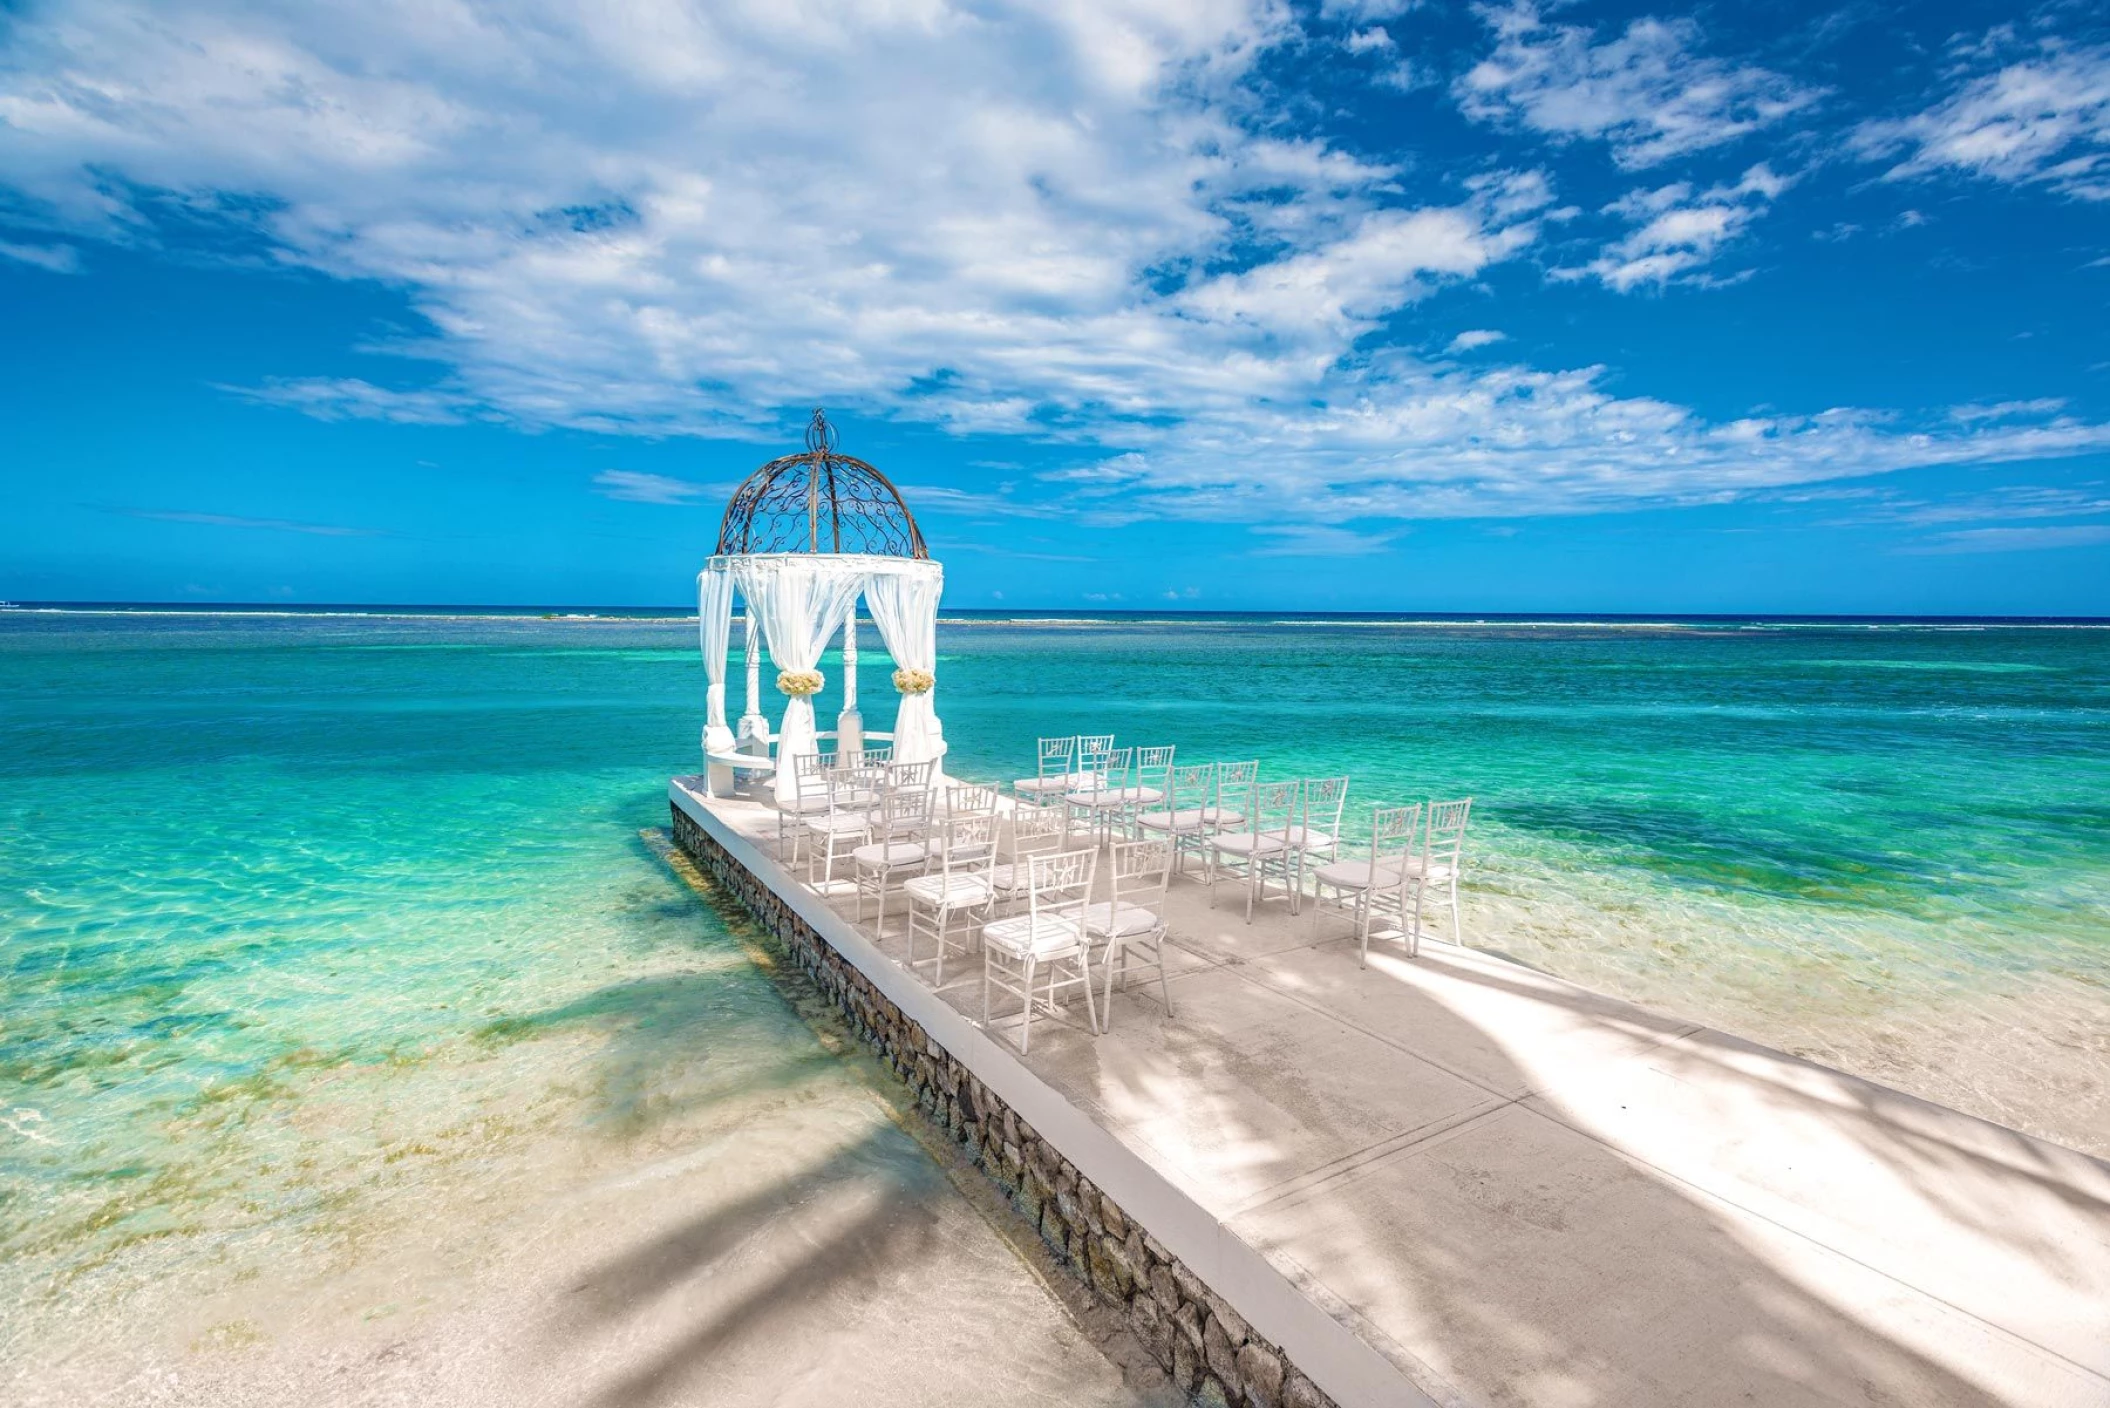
x=1453, y=1179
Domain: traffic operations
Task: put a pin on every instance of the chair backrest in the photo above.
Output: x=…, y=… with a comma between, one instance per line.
x=1190, y=785
x=909, y=776
x=1037, y=830
x=1054, y=757
x=809, y=773
x=1094, y=742
x=1094, y=762
x=1142, y=873
x=1234, y=785
x=1275, y=808
x=1445, y=841
x=902, y=812
x=854, y=789
x=1107, y=772
x=970, y=799
x=871, y=757
x=1395, y=832
x=1324, y=799
x=969, y=843
x=1060, y=884
x=1152, y=766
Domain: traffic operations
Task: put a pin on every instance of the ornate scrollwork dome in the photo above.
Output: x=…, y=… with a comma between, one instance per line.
x=819, y=501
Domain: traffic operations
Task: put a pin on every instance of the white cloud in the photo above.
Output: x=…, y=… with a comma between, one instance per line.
x=1405, y=76
x=1315, y=540
x=1362, y=41
x=1012, y=218
x=1364, y=11
x=1475, y=337
x=1410, y=441
x=2043, y=120
x=2070, y=535
x=2017, y=501
x=58, y=258
x=631, y=486
x=1679, y=231
x=1648, y=92
x=2008, y=410
x=229, y=520
x=350, y=398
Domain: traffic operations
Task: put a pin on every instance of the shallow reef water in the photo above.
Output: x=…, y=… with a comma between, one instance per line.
x=311, y=925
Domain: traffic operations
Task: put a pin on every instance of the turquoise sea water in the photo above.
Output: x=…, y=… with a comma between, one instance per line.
x=261, y=877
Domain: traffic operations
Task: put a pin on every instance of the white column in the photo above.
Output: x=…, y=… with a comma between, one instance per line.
x=849, y=724
x=754, y=727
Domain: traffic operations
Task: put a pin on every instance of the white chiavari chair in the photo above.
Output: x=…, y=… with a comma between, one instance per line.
x=1042, y=949
x=1034, y=831
x=956, y=884
x=1374, y=883
x=853, y=792
x=1318, y=837
x=1273, y=813
x=1147, y=783
x=809, y=775
x=1436, y=869
x=1057, y=760
x=1183, y=816
x=1097, y=799
x=898, y=846
x=1234, y=781
x=1130, y=923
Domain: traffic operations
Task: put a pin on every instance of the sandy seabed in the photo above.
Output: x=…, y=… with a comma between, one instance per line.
x=783, y=1242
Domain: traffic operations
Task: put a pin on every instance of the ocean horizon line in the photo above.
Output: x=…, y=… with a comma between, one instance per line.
x=1058, y=615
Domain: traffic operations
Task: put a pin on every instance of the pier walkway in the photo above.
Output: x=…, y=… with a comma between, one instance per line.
x=1516, y=1191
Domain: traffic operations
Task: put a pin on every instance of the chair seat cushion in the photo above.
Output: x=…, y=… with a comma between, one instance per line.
x=841, y=824
x=1119, y=921
x=949, y=891
x=1059, y=782
x=1246, y=843
x=1310, y=839
x=1185, y=819
x=1355, y=875
x=1220, y=817
x=809, y=803
x=1028, y=936
x=1437, y=874
x=885, y=855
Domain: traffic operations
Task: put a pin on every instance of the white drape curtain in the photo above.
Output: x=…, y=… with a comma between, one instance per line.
x=714, y=628
x=904, y=604
x=800, y=601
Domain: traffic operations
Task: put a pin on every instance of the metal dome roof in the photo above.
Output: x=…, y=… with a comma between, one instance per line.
x=819, y=501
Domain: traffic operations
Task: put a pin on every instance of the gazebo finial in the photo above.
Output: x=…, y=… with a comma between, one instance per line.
x=820, y=436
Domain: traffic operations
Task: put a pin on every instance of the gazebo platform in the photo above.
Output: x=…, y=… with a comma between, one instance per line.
x=1499, y=1188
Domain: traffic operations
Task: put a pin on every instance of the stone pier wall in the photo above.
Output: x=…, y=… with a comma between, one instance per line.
x=1210, y=1352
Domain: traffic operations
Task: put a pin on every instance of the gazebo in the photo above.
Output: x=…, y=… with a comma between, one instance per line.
x=804, y=537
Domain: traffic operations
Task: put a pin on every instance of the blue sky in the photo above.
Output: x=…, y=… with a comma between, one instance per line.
x=1363, y=304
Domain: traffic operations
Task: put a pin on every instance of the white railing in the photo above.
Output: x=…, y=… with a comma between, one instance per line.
x=756, y=763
